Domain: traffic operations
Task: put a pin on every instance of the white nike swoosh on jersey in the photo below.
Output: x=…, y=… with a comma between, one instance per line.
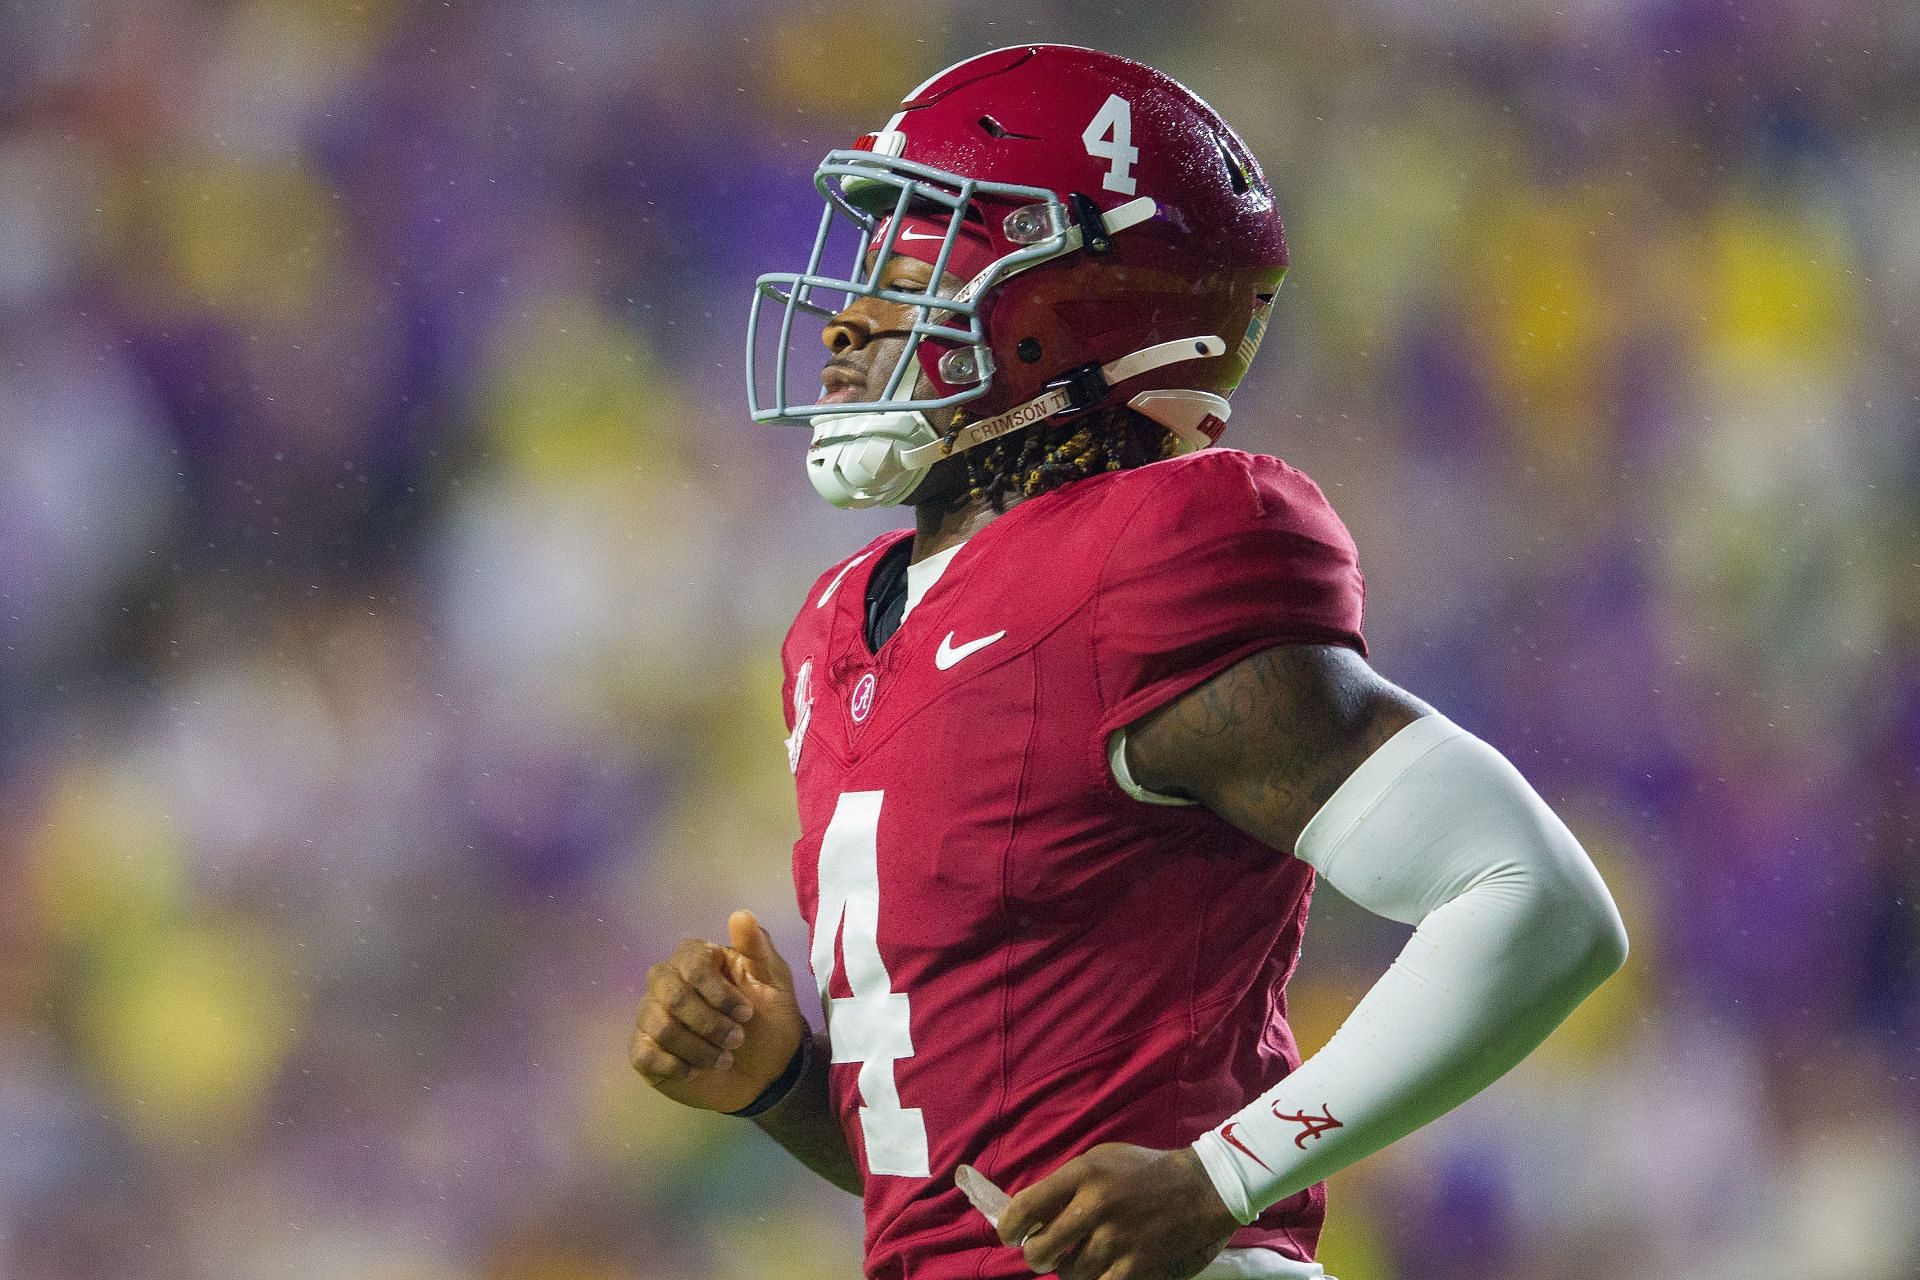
x=949, y=653
x=908, y=233
x=838, y=578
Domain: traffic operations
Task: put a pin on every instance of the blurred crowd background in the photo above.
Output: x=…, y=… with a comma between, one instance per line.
x=390, y=587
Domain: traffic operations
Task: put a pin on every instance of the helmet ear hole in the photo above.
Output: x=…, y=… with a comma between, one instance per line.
x=1029, y=350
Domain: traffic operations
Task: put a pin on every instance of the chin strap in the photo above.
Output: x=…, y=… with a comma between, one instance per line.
x=1079, y=389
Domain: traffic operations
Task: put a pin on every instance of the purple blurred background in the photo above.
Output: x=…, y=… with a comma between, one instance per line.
x=390, y=588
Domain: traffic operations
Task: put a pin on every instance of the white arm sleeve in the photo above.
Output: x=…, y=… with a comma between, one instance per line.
x=1515, y=928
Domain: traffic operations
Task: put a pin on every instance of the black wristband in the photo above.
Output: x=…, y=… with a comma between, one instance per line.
x=776, y=1093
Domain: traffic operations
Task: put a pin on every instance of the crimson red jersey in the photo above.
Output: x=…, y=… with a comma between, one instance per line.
x=1019, y=960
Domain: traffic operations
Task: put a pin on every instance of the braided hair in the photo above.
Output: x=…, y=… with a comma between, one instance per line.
x=1050, y=454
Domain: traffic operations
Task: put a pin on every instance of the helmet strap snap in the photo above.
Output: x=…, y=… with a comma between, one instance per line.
x=1094, y=236
x=1084, y=387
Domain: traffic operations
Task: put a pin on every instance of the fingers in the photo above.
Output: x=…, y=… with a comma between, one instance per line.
x=1098, y=1254
x=1032, y=1213
x=681, y=1002
x=681, y=1027
x=764, y=962
x=689, y=1028
x=702, y=965
x=1060, y=1244
x=655, y=1064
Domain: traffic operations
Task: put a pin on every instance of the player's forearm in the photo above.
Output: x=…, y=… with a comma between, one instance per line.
x=1514, y=930
x=1415, y=1048
x=805, y=1124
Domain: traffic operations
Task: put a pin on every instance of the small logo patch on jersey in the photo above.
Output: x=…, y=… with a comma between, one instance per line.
x=1315, y=1126
x=949, y=653
x=863, y=697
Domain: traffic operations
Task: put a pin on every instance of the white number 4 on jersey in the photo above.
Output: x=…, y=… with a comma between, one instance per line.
x=872, y=1027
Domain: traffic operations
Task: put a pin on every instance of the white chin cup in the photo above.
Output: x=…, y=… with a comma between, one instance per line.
x=854, y=460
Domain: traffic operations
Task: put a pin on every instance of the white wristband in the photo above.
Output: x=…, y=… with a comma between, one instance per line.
x=1515, y=928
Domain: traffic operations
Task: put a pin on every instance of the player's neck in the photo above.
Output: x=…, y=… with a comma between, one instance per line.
x=938, y=526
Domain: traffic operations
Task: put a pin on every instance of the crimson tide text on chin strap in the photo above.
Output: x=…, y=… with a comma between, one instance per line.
x=879, y=459
x=1086, y=386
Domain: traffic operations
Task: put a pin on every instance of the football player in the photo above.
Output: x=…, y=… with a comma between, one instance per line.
x=1071, y=751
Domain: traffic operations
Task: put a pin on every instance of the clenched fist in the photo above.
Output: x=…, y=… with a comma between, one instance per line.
x=718, y=1024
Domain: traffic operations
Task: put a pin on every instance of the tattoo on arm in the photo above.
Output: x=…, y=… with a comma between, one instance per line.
x=1267, y=741
x=805, y=1124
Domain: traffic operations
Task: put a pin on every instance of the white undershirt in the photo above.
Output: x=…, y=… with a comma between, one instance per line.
x=1233, y=1264
x=922, y=576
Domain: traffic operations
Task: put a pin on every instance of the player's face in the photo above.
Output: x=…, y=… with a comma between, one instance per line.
x=866, y=341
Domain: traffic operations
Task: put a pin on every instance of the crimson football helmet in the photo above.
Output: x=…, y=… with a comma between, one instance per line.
x=1117, y=241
